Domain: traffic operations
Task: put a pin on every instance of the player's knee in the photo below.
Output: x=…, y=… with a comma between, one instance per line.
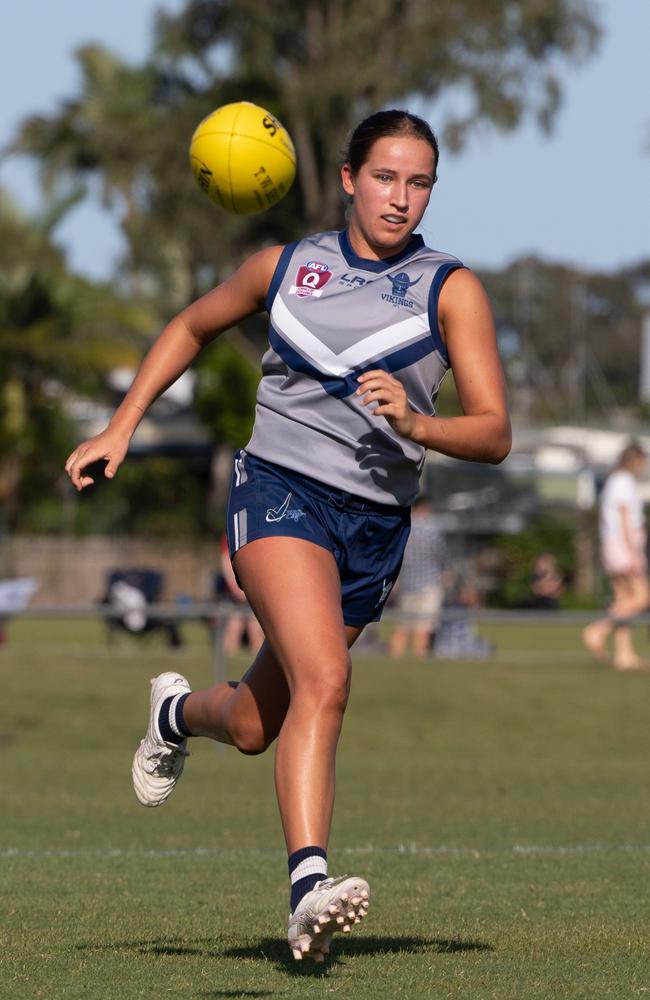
x=249, y=737
x=330, y=691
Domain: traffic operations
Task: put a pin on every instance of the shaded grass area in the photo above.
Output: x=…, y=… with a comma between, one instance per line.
x=499, y=809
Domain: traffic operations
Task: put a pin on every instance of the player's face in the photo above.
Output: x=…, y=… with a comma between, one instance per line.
x=391, y=192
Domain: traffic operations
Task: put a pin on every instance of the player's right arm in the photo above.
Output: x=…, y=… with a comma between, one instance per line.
x=241, y=295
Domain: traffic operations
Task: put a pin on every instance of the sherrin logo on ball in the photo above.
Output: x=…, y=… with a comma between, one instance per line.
x=243, y=158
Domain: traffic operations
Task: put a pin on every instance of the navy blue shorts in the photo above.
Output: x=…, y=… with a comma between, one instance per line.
x=366, y=539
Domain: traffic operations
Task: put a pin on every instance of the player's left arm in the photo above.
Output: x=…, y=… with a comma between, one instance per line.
x=483, y=433
x=174, y=350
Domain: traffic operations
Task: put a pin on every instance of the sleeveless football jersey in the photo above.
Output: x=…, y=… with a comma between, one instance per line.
x=332, y=316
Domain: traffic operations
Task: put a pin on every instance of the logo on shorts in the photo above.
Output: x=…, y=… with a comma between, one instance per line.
x=386, y=587
x=278, y=513
x=311, y=279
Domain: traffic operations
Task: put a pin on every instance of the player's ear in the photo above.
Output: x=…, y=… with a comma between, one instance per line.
x=347, y=179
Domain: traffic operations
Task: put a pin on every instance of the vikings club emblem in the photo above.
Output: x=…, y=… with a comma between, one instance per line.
x=401, y=283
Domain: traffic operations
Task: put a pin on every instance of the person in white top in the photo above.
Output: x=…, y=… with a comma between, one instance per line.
x=623, y=554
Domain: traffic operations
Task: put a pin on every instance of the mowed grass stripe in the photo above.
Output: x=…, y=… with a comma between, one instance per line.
x=500, y=810
x=412, y=850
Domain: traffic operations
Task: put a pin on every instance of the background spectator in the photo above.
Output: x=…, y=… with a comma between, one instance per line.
x=420, y=585
x=623, y=554
x=547, y=583
x=241, y=625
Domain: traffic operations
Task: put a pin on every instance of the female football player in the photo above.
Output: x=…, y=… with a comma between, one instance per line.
x=363, y=325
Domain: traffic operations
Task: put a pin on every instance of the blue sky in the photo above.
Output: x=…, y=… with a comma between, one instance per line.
x=582, y=196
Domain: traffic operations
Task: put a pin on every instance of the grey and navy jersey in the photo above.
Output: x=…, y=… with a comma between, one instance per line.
x=332, y=316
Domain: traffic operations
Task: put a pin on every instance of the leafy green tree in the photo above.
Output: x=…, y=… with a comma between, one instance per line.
x=111, y=139
x=226, y=390
x=156, y=496
x=319, y=65
x=322, y=63
x=516, y=554
x=59, y=336
x=570, y=339
x=126, y=136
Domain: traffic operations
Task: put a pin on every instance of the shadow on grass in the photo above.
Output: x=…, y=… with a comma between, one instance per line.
x=275, y=950
x=204, y=947
x=238, y=993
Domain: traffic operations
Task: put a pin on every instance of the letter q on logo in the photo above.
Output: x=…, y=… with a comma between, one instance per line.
x=310, y=281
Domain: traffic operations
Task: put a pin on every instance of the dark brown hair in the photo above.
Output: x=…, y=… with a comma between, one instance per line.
x=632, y=450
x=386, y=123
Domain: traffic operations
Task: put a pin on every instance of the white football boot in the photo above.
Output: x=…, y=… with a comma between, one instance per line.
x=157, y=765
x=334, y=904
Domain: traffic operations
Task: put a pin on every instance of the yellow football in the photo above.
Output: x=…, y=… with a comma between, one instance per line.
x=243, y=158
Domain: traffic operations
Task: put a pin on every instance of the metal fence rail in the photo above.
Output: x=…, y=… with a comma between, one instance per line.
x=198, y=612
x=216, y=614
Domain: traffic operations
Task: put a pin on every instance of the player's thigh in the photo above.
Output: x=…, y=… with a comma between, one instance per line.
x=293, y=587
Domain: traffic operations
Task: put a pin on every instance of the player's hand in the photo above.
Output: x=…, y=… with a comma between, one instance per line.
x=110, y=446
x=390, y=396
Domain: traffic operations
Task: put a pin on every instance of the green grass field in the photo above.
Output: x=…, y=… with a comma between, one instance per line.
x=500, y=810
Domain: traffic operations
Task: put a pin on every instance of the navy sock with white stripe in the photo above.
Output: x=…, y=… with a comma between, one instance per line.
x=170, y=721
x=307, y=866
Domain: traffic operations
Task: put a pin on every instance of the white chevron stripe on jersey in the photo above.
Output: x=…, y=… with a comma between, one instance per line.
x=390, y=338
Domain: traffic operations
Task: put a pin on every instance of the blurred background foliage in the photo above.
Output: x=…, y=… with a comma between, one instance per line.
x=570, y=339
x=128, y=129
x=516, y=554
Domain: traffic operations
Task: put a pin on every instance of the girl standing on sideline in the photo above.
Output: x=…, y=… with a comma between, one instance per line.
x=623, y=555
x=363, y=325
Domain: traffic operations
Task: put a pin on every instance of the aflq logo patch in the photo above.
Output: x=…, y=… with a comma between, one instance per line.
x=311, y=279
